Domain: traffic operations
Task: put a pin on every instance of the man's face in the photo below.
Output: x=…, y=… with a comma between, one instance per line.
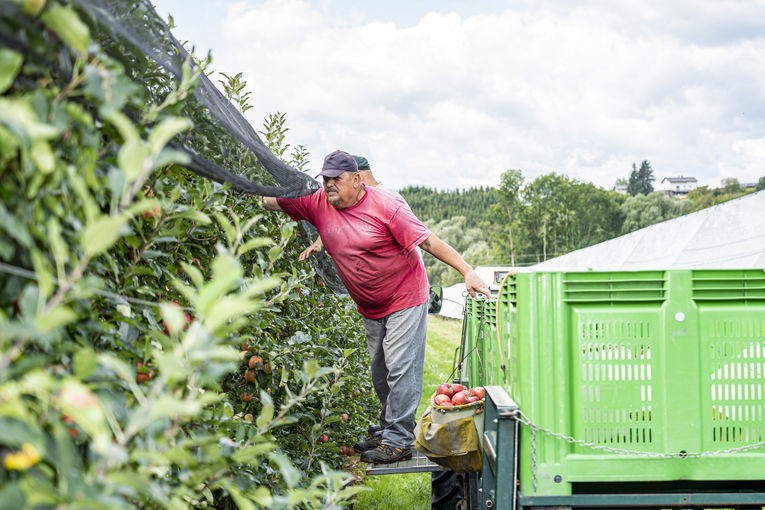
x=342, y=191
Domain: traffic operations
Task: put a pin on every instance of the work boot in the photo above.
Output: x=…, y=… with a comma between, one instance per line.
x=374, y=430
x=368, y=444
x=385, y=454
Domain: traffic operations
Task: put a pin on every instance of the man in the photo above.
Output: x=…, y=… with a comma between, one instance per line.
x=369, y=180
x=372, y=235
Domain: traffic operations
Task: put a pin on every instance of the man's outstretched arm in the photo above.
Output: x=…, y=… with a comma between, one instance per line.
x=448, y=255
x=271, y=204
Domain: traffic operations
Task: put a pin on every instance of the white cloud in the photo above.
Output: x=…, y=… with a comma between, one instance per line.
x=454, y=100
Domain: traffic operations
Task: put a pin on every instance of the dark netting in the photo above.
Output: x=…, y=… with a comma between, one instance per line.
x=137, y=26
x=140, y=26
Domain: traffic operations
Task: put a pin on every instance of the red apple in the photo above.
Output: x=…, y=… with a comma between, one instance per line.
x=460, y=398
x=473, y=398
x=478, y=391
x=439, y=400
x=324, y=438
x=445, y=389
x=458, y=387
x=344, y=450
x=344, y=417
x=446, y=404
x=256, y=362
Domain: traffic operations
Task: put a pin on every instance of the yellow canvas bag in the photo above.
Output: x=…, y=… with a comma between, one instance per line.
x=450, y=436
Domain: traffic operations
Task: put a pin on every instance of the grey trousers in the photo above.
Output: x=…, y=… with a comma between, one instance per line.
x=396, y=346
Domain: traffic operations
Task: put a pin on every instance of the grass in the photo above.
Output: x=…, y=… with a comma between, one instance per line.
x=411, y=491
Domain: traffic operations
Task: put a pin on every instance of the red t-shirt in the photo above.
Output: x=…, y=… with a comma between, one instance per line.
x=373, y=245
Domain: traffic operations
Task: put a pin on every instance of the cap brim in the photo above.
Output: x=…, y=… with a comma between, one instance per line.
x=329, y=173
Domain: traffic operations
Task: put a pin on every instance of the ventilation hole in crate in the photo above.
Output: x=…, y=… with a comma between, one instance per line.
x=737, y=386
x=618, y=426
x=614, y=329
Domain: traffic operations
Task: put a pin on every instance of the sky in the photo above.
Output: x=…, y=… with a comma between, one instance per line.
x=449, y=94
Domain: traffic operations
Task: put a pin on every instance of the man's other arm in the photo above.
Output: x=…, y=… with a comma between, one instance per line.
x=271, y=204
x=448, y=255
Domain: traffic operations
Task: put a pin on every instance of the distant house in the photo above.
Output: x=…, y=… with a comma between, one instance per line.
x=621, y=188
x=678, y=186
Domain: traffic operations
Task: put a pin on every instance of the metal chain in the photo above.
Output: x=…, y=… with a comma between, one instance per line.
x=533, y=453
x=522, y=418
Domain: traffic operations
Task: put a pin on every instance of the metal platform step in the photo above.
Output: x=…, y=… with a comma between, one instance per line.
x=419, y=463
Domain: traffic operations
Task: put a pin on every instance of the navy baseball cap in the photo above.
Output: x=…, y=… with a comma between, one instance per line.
x=336, y=163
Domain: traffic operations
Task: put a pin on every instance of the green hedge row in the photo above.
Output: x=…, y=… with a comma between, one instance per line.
x=160, y=345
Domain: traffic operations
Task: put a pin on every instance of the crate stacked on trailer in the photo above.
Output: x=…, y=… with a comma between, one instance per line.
x=647, y=383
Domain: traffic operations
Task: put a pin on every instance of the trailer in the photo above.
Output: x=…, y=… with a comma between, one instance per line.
x=614, y=389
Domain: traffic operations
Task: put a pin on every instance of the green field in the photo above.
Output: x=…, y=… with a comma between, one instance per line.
x=411, y=491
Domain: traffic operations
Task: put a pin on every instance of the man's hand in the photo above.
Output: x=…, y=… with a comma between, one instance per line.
x=314, y=248
x=474, y=284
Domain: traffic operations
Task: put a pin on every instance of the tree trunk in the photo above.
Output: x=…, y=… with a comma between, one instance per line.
x=544, y=239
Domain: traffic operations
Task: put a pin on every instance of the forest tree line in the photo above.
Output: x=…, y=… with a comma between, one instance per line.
x=520, y=222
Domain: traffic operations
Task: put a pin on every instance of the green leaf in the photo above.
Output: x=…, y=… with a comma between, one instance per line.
x=311, y=368
x=227, y=227
x=262, y=496
x=250, y=454
x=194, y=215
x=226, y=272
x=121, y=368
x=229, y=308
x=88, y=204
x=31, y=7
x=290, y=474
x=65, y=22
x=42, y=155
x=100, y=235
x=194, y=274
x=253, y=244
x=123, y=125
x=262, y=285
x=173, y=317
x=266, y=414
x=141, y=206
x=58, y=246
x=132, y=158
x=10, y=63
x=76, y=400
x=56, y=318
x=177, y=504
x=20, y=118
x=15, y=228
x=236, y=494
x=166, y=131
x=287, y=231
x=275, y=253
x=169, y=407
x=171, y=157
x=12, y=497
x=85, y=363
x=171, y=366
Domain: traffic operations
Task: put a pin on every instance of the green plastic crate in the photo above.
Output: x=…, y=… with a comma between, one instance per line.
x=664, y=363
